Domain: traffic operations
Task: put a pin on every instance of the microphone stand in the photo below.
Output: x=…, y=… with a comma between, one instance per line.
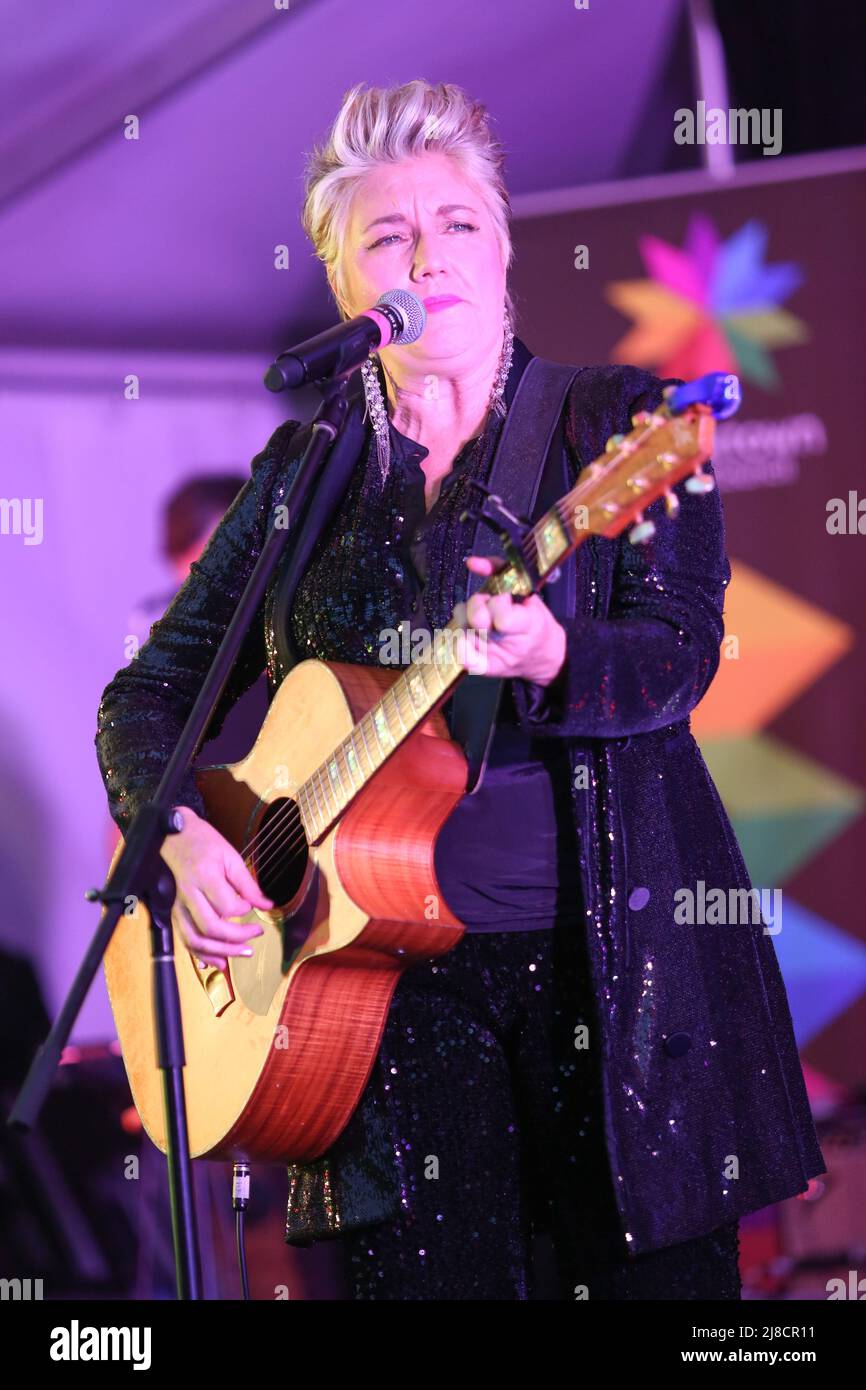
x=141, y=875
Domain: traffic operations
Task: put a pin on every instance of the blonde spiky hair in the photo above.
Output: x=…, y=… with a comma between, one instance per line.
x=384, y=125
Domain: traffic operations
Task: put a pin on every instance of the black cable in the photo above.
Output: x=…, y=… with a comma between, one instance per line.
x=242, y=1255
x=240, y=1201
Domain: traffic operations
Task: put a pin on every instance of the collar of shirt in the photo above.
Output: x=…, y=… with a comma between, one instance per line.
x=410, y=454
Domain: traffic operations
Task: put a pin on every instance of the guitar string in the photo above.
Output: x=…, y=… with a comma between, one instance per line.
x=284, y=834
x=291, y=812
x=276, y=825
x=270, y=840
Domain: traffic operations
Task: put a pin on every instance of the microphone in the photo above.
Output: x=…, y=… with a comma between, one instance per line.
x=398, y=317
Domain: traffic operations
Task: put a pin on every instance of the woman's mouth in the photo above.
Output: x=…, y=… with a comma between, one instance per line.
x=441, y=301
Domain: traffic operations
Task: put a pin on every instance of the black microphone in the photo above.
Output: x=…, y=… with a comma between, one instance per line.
x=398, y=317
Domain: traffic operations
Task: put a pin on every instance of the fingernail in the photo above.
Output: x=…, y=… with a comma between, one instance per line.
x=247, y=952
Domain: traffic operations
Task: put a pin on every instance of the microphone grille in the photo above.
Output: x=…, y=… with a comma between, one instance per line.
x=413, y=311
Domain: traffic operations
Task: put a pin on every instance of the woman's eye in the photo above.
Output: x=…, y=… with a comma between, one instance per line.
x=392, y=235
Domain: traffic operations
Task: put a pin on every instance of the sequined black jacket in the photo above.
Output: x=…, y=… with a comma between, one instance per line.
x=706, y=1113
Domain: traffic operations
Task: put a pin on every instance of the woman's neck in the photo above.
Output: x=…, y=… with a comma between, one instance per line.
x=430, y=406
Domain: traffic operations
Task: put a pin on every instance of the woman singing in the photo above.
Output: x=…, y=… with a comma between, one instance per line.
x=581, y=1063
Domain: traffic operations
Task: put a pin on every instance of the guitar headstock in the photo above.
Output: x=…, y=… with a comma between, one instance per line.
x=639, y=467
x=663, y=446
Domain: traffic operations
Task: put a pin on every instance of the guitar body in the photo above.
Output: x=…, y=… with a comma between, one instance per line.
x=280, y=1046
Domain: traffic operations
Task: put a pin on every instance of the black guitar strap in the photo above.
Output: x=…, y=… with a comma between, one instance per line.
x=515, y=476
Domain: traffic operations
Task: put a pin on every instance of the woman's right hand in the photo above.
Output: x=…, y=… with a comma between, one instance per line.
x=213, y=883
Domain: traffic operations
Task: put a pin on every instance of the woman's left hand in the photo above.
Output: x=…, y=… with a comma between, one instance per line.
x=522, y=640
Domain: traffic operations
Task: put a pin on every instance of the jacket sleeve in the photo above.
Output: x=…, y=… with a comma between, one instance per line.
x=144, y=708
x=650, y=660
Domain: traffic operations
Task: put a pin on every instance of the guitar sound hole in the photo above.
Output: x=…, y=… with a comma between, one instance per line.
x=280, y=856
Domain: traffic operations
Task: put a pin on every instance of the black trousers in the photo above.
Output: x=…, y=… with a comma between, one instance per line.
x=501, y=1137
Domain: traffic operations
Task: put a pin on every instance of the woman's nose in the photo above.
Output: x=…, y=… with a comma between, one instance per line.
x=429, y=258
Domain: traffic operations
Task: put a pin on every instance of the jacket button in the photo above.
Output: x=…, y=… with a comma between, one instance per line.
x=677, y=1044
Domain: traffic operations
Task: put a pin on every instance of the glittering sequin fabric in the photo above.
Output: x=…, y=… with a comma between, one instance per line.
x=694, y=1040
x=359, y=582
x=497, y=1110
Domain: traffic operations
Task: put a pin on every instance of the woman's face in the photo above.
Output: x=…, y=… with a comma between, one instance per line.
x=419, y=225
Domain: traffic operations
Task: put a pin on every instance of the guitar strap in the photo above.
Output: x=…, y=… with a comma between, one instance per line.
x=534, y=415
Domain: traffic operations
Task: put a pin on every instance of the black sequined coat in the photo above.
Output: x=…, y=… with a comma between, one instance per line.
x=706, y=1113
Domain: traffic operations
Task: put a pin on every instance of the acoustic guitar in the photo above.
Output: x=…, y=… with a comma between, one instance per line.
x=336, y=810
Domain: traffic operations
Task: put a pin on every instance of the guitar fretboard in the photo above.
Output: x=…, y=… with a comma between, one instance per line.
x=409, y=701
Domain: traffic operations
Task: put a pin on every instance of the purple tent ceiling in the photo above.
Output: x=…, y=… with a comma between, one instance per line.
x=168, y=241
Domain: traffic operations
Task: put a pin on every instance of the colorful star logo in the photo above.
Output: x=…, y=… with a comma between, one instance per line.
x=712, y=306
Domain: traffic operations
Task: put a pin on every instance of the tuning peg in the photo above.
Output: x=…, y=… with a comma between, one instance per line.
x=614, y=443
x=700, y=483
x=642, y=532
x=672, y=504
x=642, y=417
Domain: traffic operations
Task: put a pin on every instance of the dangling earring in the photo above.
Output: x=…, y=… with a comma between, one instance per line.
x=497, y=395
x=379, y=415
